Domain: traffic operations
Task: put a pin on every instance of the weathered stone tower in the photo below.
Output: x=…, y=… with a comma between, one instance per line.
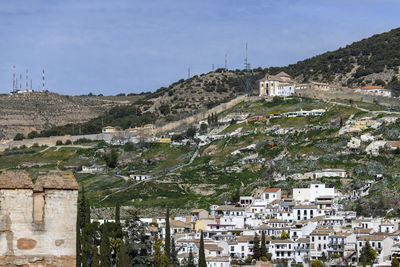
x=38, y=221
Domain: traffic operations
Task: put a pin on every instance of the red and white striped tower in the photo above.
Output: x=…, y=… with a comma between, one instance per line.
x=26, y=80
x=43, y=81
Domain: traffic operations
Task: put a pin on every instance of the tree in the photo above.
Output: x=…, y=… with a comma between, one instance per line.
x=317, y=263
x=117, y=213
x=203, y=128
x=105, y=250
x=167, y=236
x=174, y=254
x=191, y=132
x=59, y=143
x=111, y=158
x=123, y=256
x=367, y=254
x=395, y=261
x=137, y=241
x=19, y=137
x=235, y=197
x=160, y=258
x=95, y=257
x=284, y=235
x=323, y=257
x=202, y=255
x=256, y=248
x=33, y=134
x=263, y=246
x=191, y=259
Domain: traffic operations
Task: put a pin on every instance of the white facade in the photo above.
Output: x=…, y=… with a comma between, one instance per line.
x=276, y=85
x=311, y=194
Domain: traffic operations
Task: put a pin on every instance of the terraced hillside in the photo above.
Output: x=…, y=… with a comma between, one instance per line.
x=275, y=152
x=23, y=113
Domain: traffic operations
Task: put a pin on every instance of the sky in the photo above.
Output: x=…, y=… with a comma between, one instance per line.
x=130, y=46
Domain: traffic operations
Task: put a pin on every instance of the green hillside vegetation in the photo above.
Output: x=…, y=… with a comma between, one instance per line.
x=216, y=172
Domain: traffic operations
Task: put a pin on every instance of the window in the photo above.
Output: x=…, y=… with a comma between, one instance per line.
x=312, y=238
x=232, y=248
x=242, y=248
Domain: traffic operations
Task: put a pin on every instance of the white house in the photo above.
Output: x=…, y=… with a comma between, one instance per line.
x=375, y=90
x=271, y=194
x=304, y=212
x=276, y=85
x=311, y=194
x=282, y=249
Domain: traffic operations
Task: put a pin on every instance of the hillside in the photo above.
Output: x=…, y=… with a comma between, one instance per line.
x=279, y=152
x=23, y=113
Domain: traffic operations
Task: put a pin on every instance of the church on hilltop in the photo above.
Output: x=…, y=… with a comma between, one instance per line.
x=277, y=85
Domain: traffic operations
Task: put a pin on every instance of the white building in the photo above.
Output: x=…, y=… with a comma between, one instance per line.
x=271, y=194
x=311, y=194
x=375, y=90
x=276, y=85
x=330, y=173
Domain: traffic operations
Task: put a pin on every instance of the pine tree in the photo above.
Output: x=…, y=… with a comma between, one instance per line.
x=263, y=246
x=202, y=255
x=95, y=257
x=191, y=259
x=174, y=254
x=105, y=251
x=367, y=255
x=256, y=248
x=167, y=236
x=117, y=213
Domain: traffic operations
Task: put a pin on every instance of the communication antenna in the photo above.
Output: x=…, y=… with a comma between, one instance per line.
x=247, y=68
x=43, y=81
x=26, y=80
x=226, y=62
x=188, y=73
x=31, y=85
x=14, y=79
x=20, y=81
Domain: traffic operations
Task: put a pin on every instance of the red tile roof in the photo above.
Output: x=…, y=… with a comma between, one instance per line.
x=271, y=190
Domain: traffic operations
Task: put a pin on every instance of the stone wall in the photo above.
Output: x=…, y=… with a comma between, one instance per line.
x=348, y=94
x=38, y=233
x=41, y=141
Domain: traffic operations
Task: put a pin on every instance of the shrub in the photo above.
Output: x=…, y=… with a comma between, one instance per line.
x=68, y=142
x=35, y=145
x=19, y=136
x=59, y=143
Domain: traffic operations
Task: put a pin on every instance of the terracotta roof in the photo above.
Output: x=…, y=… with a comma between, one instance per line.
x=303, y=240
x=393, y=143
x=321, y=232
x=271, y=190
x=197, y=210
x=371, y=238
x=213, y=247
x=372, y=87
x=15, y=179
x=56, y=180
x=230, y=207
x=245, y=238
x=363, y=231
x=279, y=241
x=305, y=207
x=340, y=235
x=176, y=223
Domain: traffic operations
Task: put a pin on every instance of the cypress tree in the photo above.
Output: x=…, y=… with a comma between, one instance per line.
x=174, y=254
x=117, y=213
x=190, y=259
x=167, y=236
x=95, y=257
x=263, y=246
x=256, y=248
x=87, y=210
x=123, y=256
x=202, y=255
x=105, y=251
x=78, y=241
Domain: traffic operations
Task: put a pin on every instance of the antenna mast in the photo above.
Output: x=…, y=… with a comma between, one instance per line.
x=43, y=81
x=226, y=62
x=247, y=68
x=188, y=73
x=26, y=80
x=14, y=79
